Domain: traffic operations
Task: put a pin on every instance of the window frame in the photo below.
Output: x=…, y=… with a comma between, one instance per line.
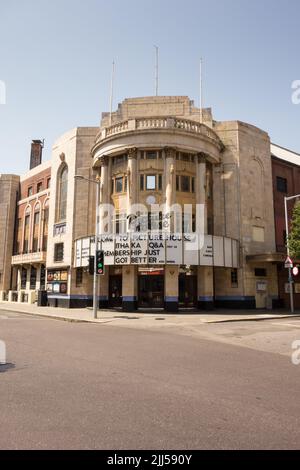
x=56, y=248
x=280, y=180
x=117, y=180
x=151, y=188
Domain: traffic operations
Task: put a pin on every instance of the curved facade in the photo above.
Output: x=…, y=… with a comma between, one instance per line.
x=153, y=154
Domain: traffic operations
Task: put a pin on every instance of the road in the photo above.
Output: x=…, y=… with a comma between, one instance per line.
x=110, y=386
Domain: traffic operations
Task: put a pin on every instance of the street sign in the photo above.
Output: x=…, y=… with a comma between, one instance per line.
x=295, y=271
x=288, y=263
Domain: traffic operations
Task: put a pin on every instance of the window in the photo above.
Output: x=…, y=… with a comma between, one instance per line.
x=281, y=184
x=260, y=272
x=120, y=223
x=79, y=277
x=40, y=187
x=234, y=278
x=177, y=183
x=193, y=185
x=187, y=223
x=32, y=278
x=23, y=278
x=119, y=159
x=26, y=234
x=112, y=186
x=45, y=229
x=210, y=225
x=142, y=182
x=185, y=157
x=62, y=194
x=119, y=185
x=43, y=277
x=18, y=236
x=125, y=184
x=36, y=222
x=160, y=182
x=150, y=182
x=185, y=184
x=58, y=252
x=151, y=155
x=48, y=183
x=29, y=191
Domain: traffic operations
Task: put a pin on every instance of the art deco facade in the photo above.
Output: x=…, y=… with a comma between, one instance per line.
x=155, y=151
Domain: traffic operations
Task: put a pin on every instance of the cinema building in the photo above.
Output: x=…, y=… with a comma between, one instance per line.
x=151, y=156
x=163, y=151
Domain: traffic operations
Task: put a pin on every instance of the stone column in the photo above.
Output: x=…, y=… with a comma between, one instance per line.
x=19, y=278
x=171, y=288
x=205, y=286
x=28, y=278
x=129, y=288
x=201, y=185
x=170, y=177
x=104, y=189
x=131, y=179
x=38, y=277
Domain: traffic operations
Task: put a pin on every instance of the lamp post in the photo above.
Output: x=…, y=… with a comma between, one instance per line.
x=95, y=279
x=286, y=199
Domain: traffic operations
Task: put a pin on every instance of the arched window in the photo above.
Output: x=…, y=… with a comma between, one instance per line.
x=27, y=230
x=45, y=227
x=62, y=193
x=36, y=228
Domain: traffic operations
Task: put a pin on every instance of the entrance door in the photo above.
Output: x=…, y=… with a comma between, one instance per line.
x=187, y=291
x=151, y=291
x=115, y=291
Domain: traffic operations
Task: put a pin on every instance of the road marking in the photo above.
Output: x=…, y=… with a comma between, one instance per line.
x=286, y=324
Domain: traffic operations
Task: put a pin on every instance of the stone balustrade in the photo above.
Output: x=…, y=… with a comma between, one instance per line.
x=27, y=258
x=154, y=122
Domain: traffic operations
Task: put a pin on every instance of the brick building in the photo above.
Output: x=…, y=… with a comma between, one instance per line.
x=31, y=230
x=286, y=182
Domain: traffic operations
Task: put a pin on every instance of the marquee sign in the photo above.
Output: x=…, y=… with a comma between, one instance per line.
x=160, y=249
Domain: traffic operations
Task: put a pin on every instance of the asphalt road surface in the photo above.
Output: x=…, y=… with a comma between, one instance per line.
x=104, y=386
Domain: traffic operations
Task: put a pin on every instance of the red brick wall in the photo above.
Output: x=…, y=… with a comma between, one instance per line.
x=292, y=174
x=41, y=177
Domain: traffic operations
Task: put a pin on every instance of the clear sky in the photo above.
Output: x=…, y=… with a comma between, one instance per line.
x=56, y=55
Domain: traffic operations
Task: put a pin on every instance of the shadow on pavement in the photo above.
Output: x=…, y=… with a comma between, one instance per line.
x=6, y=367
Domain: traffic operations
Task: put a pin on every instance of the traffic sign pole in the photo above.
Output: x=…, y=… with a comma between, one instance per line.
x=95, y=283
x=288, y=253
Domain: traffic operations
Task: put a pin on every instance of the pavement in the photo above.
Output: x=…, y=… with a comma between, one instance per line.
x=129, y=384
x=184, y=318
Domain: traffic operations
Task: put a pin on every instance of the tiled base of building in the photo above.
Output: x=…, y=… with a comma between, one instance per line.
x=236, y=302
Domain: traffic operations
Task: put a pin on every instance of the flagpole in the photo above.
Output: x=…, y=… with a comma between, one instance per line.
x=156, y=70
x=201, y=93
x=111, y=92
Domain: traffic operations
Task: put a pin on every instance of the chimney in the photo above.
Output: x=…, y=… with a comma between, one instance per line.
x=36, y=153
